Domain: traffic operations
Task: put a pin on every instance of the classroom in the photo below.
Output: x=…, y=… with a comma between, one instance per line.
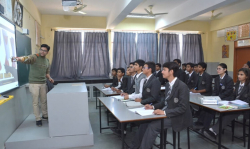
x=130, y=74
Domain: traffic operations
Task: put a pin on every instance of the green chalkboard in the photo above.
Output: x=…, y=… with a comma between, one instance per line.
x=23, y=47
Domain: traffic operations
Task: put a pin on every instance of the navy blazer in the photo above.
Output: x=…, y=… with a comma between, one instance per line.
x=191, y=81
x=130, y=86
x=160, y=77
x=178, y=109
x=151, y=91
x=244, y=94
x=115, y=82
x=124, y=84
x=224, y=89
x=205, y=83
x=181, y=75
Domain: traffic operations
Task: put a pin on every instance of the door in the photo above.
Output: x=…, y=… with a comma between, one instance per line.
x=241, y=56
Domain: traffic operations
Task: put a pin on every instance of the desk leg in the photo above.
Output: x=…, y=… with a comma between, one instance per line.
x=162, y=140
x=122, y=134
x=100, y=116
x=95, y=97
x=248, y=145
x=220, y=130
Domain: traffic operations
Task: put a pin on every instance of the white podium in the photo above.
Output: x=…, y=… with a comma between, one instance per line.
x=68, y=110
x=68, y=124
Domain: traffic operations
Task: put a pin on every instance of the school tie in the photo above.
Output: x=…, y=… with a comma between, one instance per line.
x=166, y=99
x=145, y=82
x=132, y=79
x=239, y=91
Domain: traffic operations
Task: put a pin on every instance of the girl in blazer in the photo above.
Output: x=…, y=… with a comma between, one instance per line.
x=223, y=86
x=241, y=92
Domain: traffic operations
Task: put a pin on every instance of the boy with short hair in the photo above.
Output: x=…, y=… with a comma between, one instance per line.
x=131, y=79
x=196, y=68
x=158, y=73
x=122, y=81
x=138, y=83
x=115, y=81
x=151, y=85
x=180, y=73
x=204, y=87
x=191, y=77
x=175, y=106
x=204, y=81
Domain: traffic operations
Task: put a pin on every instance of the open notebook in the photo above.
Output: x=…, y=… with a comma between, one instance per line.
x=141, y=111
x=121, y=98
x=133, y=104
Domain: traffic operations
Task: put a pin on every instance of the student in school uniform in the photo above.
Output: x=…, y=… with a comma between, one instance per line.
x=158, y=73
x=115, y=80
x=241, y=92
x=175, y=107
x=184, y=66
x=196, y=68
x=180, y=74
x=131, y=80
x=223, y=88
x=204, y=81
x=224, y=84
x=191, y=77
x=138, y=80
x=127, y=72
x=247, y=65
x=151, y=86
x=204, y=87
x=122, y=81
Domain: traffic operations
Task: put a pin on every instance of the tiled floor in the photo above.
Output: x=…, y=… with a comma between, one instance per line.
x=108, y=140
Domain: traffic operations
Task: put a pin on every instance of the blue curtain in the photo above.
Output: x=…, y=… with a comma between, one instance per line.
x=67, y=55
x=147, y=47
x=95, y=55
x=124, y=49
x=192, y=50
x=169, y=47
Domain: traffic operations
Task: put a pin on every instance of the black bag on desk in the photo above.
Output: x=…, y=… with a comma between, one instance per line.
x=49, y=85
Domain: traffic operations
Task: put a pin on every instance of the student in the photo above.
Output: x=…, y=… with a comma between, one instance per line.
x=223, y=86
x=241, y=92
x=247, y=65
x=39, y=71
x=180, y=74
x=191, y=77
x=196, y=68
x=122, y=81
x=127, y=72
x=131, y=80
x=184, y=66
x=224, y=89
x=175, y=107
x=115, y=81
x=158, y=73
x=138, y=83
x=151, y=85
x=204, y=81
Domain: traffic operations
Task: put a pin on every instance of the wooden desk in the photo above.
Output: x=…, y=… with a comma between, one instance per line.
x=195, y=99
x=123, y=115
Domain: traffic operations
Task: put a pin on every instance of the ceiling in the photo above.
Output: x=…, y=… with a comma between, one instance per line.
x=94, y=8
x=160, y=6
x=103, y=7
x=227, y=10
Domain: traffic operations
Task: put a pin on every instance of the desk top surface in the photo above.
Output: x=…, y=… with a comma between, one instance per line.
x=106, y=92
x=122, y=113
x=69, y=88
x=195, y=99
